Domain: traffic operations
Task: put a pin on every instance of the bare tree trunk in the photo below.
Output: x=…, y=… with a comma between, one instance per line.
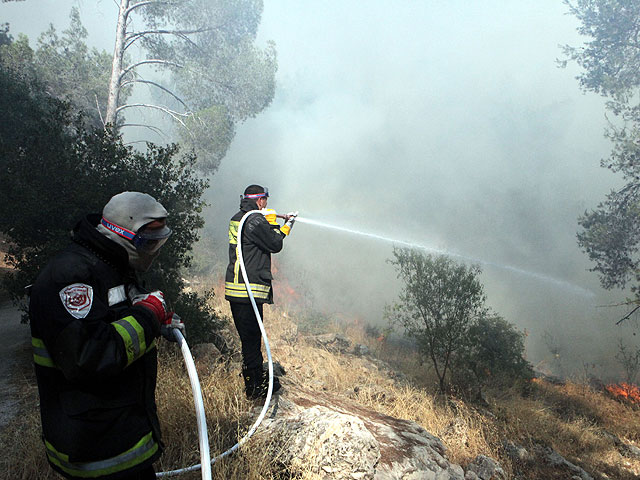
x=116, y=66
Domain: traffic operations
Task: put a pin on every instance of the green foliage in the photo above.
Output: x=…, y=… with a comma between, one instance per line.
x=69, y=69
x=74, y=72
x=209, y=134
x=214, y=65
x=56, y=170
x=492, y=354
x=610, y=60
x=5, y=37
x=438, y=304
x=201, y=320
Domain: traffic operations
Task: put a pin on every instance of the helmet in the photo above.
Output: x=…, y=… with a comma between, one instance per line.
x=134, y=220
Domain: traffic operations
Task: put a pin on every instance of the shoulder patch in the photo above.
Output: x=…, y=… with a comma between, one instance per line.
x=77, y=298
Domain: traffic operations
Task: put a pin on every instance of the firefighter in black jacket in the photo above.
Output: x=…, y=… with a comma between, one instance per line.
x=94, y=336
x=260, y=238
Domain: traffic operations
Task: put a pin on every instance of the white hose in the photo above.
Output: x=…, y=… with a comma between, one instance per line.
x=203, y=436
x=265, y=407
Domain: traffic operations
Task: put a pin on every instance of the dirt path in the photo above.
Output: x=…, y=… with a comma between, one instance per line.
x=14, y=339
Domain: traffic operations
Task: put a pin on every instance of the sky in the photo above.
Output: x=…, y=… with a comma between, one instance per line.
x=446, y=124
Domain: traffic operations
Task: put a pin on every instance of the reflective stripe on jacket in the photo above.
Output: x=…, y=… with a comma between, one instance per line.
x=95, y=361
x=259, y=240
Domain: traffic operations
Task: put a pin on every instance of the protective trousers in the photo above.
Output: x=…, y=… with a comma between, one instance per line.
x=249, y=331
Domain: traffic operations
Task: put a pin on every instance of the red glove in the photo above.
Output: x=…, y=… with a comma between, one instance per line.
x=172, y=321
x=154, y=302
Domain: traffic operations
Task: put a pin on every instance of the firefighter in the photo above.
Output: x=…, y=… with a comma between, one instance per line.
x=94, y=335
x=260, y=238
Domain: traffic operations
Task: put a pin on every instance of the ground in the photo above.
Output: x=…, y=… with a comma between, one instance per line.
x=14, y=350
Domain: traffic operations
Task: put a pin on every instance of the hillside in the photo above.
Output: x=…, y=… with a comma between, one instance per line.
x=555, y=431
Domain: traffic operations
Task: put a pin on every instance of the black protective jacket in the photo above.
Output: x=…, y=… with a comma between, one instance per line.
x=95, y=360
x=259, y=240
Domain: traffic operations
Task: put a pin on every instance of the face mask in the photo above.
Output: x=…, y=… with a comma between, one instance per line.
x=139, y=260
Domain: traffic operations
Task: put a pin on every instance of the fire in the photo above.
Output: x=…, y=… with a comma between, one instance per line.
x=282, y=286
x=625, y=392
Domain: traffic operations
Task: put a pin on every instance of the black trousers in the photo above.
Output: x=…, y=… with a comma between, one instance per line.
x=146, y=474
x=250, y=336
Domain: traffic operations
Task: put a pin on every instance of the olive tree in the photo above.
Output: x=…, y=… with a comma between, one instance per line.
x=610, y=62
x=439, y=302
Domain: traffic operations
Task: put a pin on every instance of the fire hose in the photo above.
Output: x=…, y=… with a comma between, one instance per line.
x=205, y=463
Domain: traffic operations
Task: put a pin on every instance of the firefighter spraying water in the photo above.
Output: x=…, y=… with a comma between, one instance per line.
x=263, y=237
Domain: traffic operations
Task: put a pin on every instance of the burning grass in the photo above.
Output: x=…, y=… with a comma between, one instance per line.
x=625, y=392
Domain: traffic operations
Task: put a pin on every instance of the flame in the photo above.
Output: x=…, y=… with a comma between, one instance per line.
x=282, y=287
x=625, y=392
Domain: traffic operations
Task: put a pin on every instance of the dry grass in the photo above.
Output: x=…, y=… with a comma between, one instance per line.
x=572, y=419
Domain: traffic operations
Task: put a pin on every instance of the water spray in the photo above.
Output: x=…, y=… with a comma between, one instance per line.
x=539, y=276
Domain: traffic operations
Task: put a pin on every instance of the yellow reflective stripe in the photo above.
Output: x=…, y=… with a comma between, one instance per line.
x=41, y=354
x=239, y=290
x=132, y=334
x=233, y=232
x=236, y=269
x=141, y=451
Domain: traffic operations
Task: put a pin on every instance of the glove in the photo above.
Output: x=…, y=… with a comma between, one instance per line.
x=154, y=302
x=172, y=321
x=270, y=215
x=291, y=219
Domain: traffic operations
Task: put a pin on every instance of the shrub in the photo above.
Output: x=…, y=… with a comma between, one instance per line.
x=493, y=354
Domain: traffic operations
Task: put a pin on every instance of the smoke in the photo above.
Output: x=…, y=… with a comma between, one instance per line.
x=445, y=124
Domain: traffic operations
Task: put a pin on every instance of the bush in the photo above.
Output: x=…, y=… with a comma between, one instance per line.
x=55, y=170
x=493, y=355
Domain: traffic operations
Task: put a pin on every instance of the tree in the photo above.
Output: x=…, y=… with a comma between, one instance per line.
x=217, y=76
x=439, y=302
x=5, y=37
x=65, y=65
x=610, y=60
x=74, y=72
x=492, y=354
x=56, y=169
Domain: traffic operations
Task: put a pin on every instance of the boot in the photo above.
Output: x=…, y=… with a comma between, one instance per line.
x=256, y=382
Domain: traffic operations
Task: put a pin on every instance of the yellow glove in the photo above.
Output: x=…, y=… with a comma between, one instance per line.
x=270, y=215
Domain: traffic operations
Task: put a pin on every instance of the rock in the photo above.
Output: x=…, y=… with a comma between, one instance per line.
x=360, y=350
x=552, y=379
x=339, y=446
x=206, y=353
x=484, y=468
x=333, y=342
x=227, y=342
x=557, y=460
x=515, y=452
x=339, y=439
x=206, y=356
x=626, y=449
x=629, y=451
